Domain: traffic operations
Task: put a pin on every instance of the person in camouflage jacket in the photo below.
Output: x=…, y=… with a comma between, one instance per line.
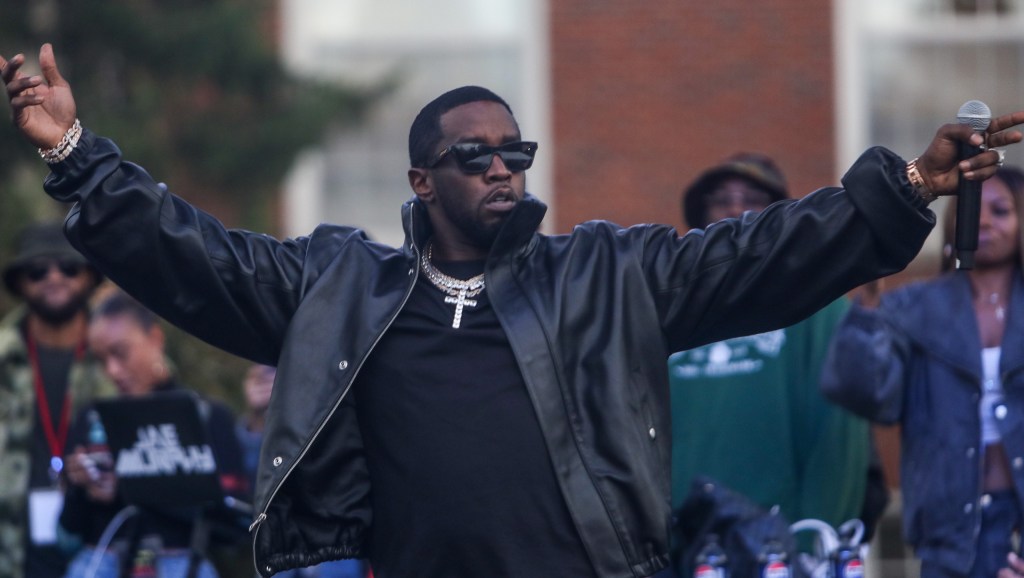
x=55, y=282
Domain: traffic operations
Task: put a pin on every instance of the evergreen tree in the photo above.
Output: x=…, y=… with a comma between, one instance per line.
x=194, y=91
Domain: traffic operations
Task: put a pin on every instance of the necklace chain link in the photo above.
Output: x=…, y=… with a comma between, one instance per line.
x=459, y=291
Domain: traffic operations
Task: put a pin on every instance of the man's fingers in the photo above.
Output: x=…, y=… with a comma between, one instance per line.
x=23, y=83
x=956, y=131
x=9, y=68
x=980, y=173
x=1006, y=121
x=981, y=166
x=25, y=100
x=48, y=64
x=1004, y=138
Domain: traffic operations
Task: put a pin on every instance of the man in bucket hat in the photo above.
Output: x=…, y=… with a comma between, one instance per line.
x=46, y=376
x=747, y=411
x=743, y=182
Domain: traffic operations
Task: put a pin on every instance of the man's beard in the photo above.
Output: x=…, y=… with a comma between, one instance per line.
x=480, y=234
x=59, y=315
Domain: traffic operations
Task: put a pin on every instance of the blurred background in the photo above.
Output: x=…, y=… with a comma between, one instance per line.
x=276, y=115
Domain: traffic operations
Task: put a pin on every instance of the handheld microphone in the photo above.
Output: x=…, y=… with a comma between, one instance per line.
x=968, y=196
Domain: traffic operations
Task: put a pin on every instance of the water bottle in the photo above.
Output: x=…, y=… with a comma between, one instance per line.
x=98, y=461
x=97, y=449
x=711, y=560
x=145, y=559
x=772, y=561
x=846, y=562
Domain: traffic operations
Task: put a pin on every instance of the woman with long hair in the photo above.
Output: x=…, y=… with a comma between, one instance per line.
x=944, y=359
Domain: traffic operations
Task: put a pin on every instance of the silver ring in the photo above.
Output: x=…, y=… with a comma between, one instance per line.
x=1002, y=156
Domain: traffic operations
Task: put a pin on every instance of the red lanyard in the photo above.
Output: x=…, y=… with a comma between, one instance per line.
x=56, y=437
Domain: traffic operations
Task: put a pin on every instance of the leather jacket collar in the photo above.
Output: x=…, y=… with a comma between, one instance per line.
x=521, y=225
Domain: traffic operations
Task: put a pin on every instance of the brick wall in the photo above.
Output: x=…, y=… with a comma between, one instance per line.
x=647, y=93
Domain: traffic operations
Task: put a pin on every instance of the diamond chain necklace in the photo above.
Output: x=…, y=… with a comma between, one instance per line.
x=458, y=291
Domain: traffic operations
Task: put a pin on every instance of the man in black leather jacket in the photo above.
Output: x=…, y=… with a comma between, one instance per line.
x=484, y=400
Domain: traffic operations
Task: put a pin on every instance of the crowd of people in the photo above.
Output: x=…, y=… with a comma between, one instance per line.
x=73, y=343
x=487, y=400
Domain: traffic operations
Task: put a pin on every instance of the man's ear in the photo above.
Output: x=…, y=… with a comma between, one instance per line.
x=421, y=183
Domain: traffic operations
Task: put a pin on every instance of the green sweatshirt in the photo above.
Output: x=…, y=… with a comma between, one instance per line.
x=747, y=412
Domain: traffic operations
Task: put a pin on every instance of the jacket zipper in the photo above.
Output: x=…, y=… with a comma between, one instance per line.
x=408, y=292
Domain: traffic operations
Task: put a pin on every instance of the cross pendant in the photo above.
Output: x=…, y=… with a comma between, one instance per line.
x=459, y=302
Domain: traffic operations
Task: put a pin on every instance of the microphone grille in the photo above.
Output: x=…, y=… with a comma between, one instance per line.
x=976, y=114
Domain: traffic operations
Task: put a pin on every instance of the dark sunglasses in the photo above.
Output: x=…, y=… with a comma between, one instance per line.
x=476, y=158
x=38, y=271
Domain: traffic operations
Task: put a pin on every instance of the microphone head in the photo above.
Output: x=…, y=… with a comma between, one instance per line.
x=976, y=114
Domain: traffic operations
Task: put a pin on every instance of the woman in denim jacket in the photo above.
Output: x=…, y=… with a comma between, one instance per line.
x=944, y=359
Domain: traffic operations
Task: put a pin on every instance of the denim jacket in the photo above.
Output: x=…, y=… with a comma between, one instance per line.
x=916, y=361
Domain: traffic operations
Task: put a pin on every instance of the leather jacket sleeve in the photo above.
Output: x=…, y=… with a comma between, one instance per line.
x=828, y=242
x=177, y=259
x=764, y=271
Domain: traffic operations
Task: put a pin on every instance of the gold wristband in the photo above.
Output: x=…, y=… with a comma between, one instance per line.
x=918, y=184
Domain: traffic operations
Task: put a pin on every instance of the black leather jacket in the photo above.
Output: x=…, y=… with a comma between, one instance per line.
x=591, y=317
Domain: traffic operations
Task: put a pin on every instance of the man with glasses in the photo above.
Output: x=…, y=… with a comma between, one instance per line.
x=484, y=400
x=46, y=376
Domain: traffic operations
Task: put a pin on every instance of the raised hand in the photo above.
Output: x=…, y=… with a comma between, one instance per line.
x=42, y=107
x=939, y=164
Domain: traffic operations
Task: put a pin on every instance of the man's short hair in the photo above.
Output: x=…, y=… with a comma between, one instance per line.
x=425, y=132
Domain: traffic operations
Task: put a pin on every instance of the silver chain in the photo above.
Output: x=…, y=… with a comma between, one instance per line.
x=460, y=291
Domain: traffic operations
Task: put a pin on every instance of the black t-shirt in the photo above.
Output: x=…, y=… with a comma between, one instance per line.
x=55, y=367
x=462, y=484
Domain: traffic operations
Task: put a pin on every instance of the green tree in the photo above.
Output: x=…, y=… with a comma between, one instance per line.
x=194, y=91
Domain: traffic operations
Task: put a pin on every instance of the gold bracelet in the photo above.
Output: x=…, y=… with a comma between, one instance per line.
x=63, y=149
x=918, y=184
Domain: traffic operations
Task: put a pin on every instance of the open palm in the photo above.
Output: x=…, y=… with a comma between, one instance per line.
x=42, y=108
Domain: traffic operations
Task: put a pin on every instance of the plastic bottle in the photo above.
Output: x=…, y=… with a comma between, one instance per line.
x=773, y=561
x=711, y=561
x=846, y=562
x=98, y=460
